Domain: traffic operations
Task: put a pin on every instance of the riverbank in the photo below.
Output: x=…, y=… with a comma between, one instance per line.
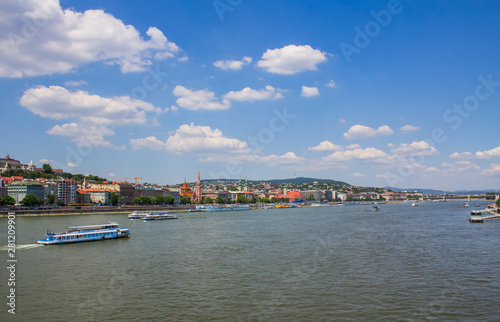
x=86, y=210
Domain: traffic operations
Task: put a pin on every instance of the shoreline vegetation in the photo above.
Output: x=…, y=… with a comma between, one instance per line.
x=117, y=210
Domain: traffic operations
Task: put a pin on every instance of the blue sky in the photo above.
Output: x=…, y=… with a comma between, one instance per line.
x=399, y=93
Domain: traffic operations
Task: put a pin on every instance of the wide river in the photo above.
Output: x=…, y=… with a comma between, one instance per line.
x=305, y=264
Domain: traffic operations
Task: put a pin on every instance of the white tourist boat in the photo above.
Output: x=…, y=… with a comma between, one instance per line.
x=137, y=215
x=158, y=216
x=77, y=234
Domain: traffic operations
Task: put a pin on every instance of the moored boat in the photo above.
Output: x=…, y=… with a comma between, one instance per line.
x=212, y=208
x=465, y=205
x=158, y=216
x=77, y=234
x=137, y=215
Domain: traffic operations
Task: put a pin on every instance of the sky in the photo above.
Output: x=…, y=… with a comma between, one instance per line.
x=374, y=93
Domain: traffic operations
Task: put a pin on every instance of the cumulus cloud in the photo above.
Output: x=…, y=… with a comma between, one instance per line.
x=248, y=94
x=149, y=142
x=415, y=148
x=488, y=153
x=360, y=131
x=494, y=169
x=58, y=103
x=202, y=139
x=199, y=100
x=463, y=155
x=309, y=91
x=233, y=64
x=357, y=174
x=194, y=139
x=291, y=59
x=409, y=128
x=331, y=84
x=460, y=166
x=325, y=146
x=40, y=38
x=342, y=121
x=357, y=154
x=91, y=115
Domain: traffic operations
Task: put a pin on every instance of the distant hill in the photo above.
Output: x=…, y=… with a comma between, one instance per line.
x=440, y=192
x=300, y=180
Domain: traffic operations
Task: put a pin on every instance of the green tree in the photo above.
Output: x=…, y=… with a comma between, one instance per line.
x=50, y=199
x=169, y=200
x=30, y=200
x=146, y=200
x=8, y=200
x=264, y=200
x=114, y=199
x=136, y=201
x=158, y=200
x=242, y=199
x=498, y=202
x=220, y=200
x=47, y=168
x=185, y=200
x=311, y=197
x=207, y=200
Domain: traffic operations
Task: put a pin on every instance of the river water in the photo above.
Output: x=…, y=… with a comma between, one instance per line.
x=344, y=263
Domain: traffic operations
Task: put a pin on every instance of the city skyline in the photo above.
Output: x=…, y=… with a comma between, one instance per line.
x=390, y=93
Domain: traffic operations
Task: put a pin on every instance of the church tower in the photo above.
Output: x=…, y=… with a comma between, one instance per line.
x=198, y=188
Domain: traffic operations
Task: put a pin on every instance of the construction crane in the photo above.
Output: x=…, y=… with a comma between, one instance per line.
x=135, y=178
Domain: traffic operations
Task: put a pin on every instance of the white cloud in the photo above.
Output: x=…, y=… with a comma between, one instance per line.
x=111, y=174
x=248, y=94
x=61, y=40
x=360, y=131
x=199, y=100
x=409, y=128
x=291, y=59
x=460, y=166
x=74, y=83
x=357, y=174
x=494, y=169
x=463, y=155
x=287, y=158
x=233, y=64
x=202, y=139
x=488, y=153
x=342, y=121
x=353, y=146
x=150, y=142
x=325, y=146
x=415, y=148
x=331, y=84
x=92, y=115
x=357, y=154
x=71, y=165
x=309, y=91
x=85, y=134
x=390, y=145
x=432, y=169
x=195, y=139
x=58, y=103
